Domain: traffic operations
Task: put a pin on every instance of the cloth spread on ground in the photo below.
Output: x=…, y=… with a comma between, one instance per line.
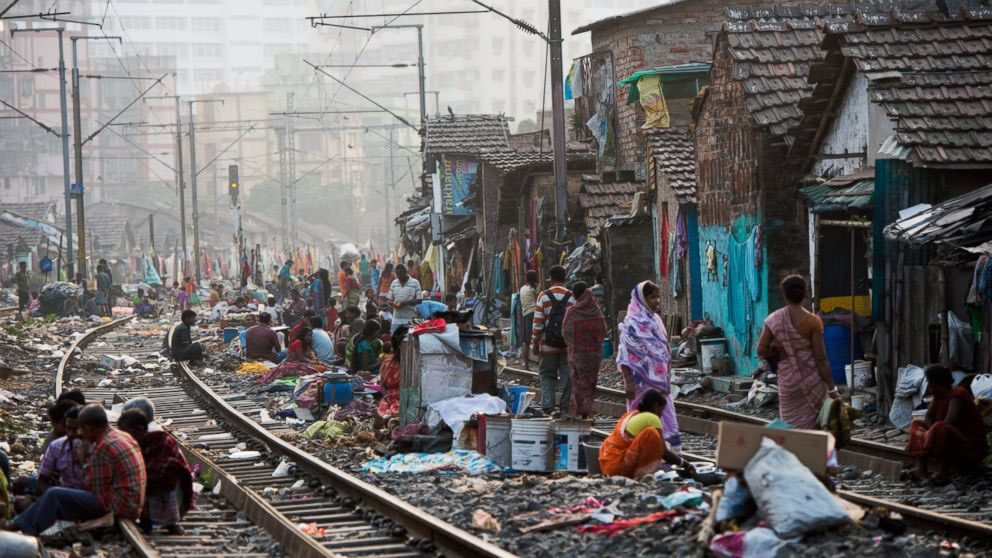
x=644, y=349
x=286, y=368
x=617, y=527
x=456, y=461
x=456, y=410
x=252, y=367
x=584, y=330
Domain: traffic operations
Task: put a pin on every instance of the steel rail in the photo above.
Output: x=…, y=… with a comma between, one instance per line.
x=8, y=311
x=419, y=523
x=80, y=343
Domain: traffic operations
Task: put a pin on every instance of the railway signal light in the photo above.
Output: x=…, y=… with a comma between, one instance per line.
x=232, y=183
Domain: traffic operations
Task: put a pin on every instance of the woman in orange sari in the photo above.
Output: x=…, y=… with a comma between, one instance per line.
x=636, y=448
x=794, y=337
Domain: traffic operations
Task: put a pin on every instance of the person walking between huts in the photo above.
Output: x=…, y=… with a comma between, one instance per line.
x=794, y=337
x=549, y=344
x=584, y=329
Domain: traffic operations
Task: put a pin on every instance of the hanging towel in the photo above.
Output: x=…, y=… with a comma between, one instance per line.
x=663, y=245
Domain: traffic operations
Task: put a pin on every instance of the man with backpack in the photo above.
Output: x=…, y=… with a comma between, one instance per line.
x=549, y=343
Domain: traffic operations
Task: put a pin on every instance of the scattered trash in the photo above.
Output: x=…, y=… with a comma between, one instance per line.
x=283, y=469
x=789, y=497
x=244, y=455
x=687, y=498
x=465, y=461
x=312, y=529
x=481, y=519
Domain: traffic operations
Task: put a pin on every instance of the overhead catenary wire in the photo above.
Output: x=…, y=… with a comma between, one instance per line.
x=362, y=95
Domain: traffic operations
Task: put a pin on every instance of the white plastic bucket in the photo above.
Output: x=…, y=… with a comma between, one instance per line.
x=710, y=349
x=568, y=451
x=531, y=444
x=861, y=375
x=859, y=401
x=498, y=447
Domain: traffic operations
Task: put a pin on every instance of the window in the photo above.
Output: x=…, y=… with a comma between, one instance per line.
x=529, y=78
x=136, y=22
x=499, y=106
x=208, y=74
x=39, y=101
x=206, y=24
x=498, y=75
x=277, y=25
x=274, y=49
x=27, y=87
x=178, y=50
x=7, y=86
x=171, y=22
x=212, y=50
x=497, y=46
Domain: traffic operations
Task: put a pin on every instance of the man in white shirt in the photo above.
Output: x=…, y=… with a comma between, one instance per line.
x=405, y=294
x=322, y=345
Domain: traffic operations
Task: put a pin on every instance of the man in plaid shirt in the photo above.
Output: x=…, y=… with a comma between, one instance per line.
x=115, y=480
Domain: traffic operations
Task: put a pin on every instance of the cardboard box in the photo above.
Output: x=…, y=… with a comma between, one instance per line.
x=112, y=362
x=738, y=442
x=731, y=384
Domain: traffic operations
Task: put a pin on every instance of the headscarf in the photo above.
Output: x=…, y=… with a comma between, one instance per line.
x=584, y=314
x=644, y=343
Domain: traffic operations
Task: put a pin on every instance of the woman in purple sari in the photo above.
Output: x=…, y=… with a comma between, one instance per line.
x=644, y=354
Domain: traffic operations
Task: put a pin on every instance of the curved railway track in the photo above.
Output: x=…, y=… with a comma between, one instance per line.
x=701, y=422
x=353, y=518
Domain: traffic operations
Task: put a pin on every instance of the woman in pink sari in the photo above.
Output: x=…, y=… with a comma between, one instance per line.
x=793, y=336
x=643, y=357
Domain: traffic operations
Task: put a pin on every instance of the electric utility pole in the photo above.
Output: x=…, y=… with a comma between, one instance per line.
x=192, y=176
x=77, y=140
x=558, y=121
x=65, y=146
x=181, y=187
x=291, y=171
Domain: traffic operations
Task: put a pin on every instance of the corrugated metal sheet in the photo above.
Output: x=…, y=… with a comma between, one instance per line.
x=962, y=222
x=892, y=149
x=856, y=197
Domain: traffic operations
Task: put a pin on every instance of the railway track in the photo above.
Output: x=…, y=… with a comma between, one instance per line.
x=249, y=512
x=8, y=311
x=698, y=425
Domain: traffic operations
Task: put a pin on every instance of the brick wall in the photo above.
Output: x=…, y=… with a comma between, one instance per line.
x=675, y=34
x=726, y=149
x=665, y=202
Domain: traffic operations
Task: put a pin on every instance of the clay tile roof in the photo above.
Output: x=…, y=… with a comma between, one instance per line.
x=468, y=133
x=509, y=160
x=674, y=152
x=604, y=200
x=11, y=234
x=773, y=49
x=933, y=76
x=32, y=210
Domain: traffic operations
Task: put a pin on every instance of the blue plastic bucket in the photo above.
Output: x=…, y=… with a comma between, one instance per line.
x=517, y=398
x=837, y=338
x=229, y=334
x=607, y=348
x=337, y=391
x=243, y=334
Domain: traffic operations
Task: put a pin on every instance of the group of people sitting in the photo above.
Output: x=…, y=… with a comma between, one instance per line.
x=92, y=470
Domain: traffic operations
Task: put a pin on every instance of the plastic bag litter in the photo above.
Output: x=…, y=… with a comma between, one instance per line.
x=312, y=529
x=909, y=382
x=789, y=497
x=245, y=454
x=759, y=542
x=736, y=502
x=689, y=498
x=282, y=470
x=981, y=385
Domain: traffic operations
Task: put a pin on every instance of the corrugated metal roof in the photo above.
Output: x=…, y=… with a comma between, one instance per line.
x=960, y=222
x=825, y=198
x=892, y=149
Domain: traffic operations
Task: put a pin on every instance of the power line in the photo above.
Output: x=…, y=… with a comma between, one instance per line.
x=362, y=95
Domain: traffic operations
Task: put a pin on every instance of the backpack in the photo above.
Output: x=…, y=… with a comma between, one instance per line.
x=554, y=319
